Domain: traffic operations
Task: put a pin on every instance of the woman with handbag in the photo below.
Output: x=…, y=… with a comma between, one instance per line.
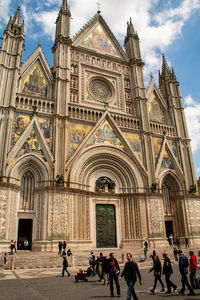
x=157, y=274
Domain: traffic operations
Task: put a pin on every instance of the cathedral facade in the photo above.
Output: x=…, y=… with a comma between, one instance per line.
x=88, y=154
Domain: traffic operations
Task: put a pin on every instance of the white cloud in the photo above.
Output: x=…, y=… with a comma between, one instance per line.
x=4, y=10
x=192, y=112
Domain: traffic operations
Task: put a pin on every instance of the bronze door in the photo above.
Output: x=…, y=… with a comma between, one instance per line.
x=106, y=226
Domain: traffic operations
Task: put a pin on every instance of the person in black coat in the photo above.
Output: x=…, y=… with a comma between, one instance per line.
x=129, y=273
x=113, y=271
x=167, y=271
x=157, y=273
x=65, y=265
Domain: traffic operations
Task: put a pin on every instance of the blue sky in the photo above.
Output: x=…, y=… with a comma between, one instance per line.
x=164, y=26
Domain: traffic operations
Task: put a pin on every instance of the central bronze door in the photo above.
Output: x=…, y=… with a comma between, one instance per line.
x=106, y=226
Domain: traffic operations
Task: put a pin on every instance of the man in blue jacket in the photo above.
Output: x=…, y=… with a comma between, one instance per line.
x=129, y=273
x=183, y=268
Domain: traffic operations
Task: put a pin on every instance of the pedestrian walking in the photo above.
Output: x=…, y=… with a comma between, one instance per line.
x=65, y=265
x=167, y=271
x=175, y=254
x=157, y=274
x=113, y=270
x=92, y=262
x=146, y=244
x=193, y=268
x=130, y=273
x=5, y=259
x=64, y=245
x=183, y=268
x=197, y=276
x=186, y=242
x=15, y=246
x=11, y=247
x=59, y=248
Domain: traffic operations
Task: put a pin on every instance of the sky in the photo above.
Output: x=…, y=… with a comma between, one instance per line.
x=169, y=27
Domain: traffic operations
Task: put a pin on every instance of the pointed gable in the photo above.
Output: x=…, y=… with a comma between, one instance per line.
x=156, y=105
x=36, y=77
x=97, y=37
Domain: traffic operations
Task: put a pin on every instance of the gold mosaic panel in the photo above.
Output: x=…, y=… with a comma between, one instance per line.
x=106, y=135
x=78, y=132
x=35, y=82
x=157, y=143
x=21, y=123
x=155, y=111
x=166, y=162
x=98, y=41
x=135, y=143
x=31, y=145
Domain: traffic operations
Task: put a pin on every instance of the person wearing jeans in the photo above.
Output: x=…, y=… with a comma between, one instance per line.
x=129, y=273
x=157, y=274
x=65, y=265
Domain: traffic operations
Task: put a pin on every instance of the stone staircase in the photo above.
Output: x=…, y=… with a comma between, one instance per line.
x=29, y=259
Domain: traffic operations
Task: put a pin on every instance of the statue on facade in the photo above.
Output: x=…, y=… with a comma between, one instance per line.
x=59, y=180
x=104, y=184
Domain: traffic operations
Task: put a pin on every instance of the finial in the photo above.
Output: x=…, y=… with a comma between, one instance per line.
x=99, y=4
x=39, y=44
x=151, y=75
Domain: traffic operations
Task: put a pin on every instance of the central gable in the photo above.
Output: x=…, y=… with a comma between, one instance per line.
x=97, y=37
x=97, y=40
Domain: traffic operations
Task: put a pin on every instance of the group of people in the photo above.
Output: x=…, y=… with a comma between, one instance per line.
x=108, y=271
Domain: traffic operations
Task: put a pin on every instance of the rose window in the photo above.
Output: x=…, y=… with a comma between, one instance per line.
x=100, y=90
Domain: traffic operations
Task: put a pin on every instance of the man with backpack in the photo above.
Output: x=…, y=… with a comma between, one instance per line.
x=183, y=268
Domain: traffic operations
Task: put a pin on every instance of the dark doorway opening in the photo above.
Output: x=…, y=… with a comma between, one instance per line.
x=169, y=228
x=25, y=234
x=106, y=226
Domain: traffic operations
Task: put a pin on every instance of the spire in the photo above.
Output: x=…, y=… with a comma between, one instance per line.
x=9, y=23
x=131, y=28
x=165, y=67
x=17, y=17
x=65, y=9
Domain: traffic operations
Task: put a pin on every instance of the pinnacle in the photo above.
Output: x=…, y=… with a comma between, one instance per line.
x=17, y=17
x=65, y=8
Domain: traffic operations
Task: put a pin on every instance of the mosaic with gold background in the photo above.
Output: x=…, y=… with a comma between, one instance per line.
x=166, y=162
x=157, y=144
x=35, y=82
x=97, y=40
x=155, y=111
x=107, y=136
x=22, y=122
x=78, y=132
x=135, y=143
x=31, y=145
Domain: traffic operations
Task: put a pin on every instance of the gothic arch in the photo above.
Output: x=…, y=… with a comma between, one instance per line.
x=106, y=161
x=172, y=179
x=32, y=163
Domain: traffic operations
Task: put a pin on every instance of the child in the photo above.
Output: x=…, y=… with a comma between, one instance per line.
x=5, y=259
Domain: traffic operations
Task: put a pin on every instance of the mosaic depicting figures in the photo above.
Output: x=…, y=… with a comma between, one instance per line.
x=21, y=121
x=45, y=128
x=157, y=143
x=106, y=135
x=35, y=83
x=135, y=143
x=155, y=111
x=31, y=145
x=77, y=134
x=173, y=147
x=97, y=40
x=166, y=162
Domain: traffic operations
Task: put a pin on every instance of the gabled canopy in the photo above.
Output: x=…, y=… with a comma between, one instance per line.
x=96, y=36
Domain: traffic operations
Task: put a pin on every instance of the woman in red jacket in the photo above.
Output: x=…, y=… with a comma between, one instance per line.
x=193, y=268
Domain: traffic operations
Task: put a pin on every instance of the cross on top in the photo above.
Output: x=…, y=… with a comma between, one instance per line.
x=99, y=4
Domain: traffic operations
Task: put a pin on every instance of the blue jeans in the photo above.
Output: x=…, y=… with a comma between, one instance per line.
x=185, y=282
x=65, y=269
x=131, y=290
x=158, y=278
